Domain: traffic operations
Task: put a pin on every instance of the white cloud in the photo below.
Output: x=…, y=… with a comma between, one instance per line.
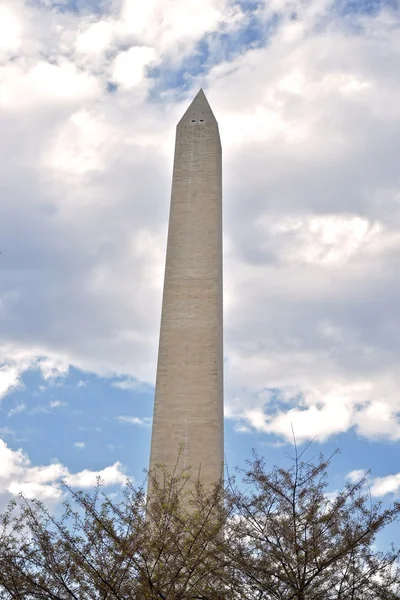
x=130, y=384
x=146, y=422
x=44, y=482
x=53, y=367
x=316, y=414
x=175, y=25
x=79, y=146
x=45, y=84
x=57, y=404
x=15, y=361
x=378, y=486
x=129, y=65
x=9, y=379
x=326, y=240
x=98, y=429
x=86, y=479
x=95, y=38
x=356, y=476
x=16, y=475
x=381, y=486
x=62, y=81
x=10, y=460
x=10, y=29
x=136, y=16
x=17, y=409
x=79, y=445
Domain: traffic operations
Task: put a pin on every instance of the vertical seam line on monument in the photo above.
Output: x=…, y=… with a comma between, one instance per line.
x=187, y=220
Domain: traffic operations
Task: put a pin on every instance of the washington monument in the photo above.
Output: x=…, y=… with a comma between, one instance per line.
x=188, y=410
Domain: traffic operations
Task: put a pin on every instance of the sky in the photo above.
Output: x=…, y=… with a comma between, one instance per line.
x=306, y=96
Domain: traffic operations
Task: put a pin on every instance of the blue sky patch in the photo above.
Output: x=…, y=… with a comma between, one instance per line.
x=363, y=7
x=212, y=49
x=83, y=7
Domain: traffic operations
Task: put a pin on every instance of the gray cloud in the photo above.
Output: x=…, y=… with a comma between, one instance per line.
x=310, y=129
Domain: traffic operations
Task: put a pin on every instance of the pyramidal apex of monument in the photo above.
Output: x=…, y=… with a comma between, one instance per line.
x=199, y=111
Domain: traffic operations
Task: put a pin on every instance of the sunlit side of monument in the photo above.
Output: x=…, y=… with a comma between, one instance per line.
x=188, y=410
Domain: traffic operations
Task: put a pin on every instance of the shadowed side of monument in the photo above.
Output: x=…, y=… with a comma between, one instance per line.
x=188, y=410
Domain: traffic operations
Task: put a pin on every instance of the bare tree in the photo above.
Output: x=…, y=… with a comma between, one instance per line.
x=293, y=541
x=281, y=538
x=100, y=549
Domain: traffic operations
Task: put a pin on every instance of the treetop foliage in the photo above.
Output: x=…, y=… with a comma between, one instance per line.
x=276, y=536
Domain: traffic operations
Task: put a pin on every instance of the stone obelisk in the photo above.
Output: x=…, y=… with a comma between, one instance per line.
x=188, y=411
